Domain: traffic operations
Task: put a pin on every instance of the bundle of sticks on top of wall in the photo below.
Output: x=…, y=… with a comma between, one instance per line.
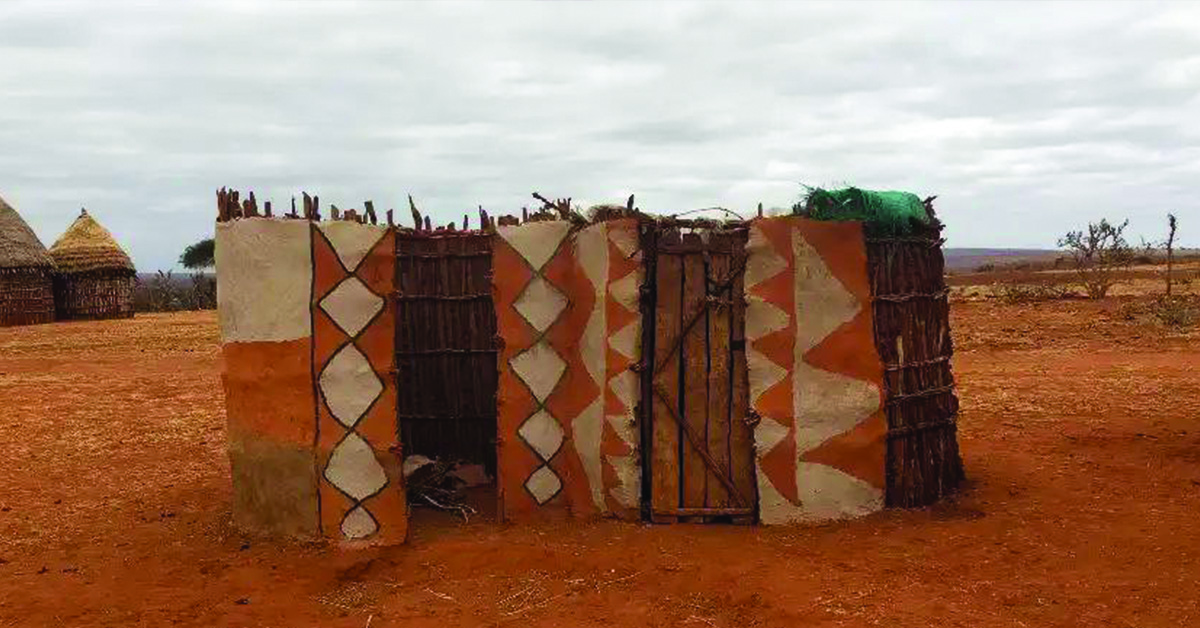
x=912, y=335
x=232, y=206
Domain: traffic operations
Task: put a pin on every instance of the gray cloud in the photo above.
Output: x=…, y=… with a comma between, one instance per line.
x=1026, y=120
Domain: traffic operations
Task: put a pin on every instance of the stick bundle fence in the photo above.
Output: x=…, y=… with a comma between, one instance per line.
x=912, y=335
x=446, y=346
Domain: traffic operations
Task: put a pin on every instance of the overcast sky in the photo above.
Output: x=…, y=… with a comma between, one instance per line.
x=1025, y=120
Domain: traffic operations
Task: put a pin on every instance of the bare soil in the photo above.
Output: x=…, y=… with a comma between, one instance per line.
x=1080, y=432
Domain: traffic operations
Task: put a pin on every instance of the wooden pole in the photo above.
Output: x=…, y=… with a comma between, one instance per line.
x=1170, y=251
x=415, y=214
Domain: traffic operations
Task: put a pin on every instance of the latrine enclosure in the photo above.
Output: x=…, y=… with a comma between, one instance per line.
x=775, y=370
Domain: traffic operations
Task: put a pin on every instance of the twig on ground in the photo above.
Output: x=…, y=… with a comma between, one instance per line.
x=616, y=580
x=441, y=595
x=533, y=606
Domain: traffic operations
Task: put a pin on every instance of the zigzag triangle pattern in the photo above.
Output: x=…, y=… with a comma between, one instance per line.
x=819, y=445
x=624, y=330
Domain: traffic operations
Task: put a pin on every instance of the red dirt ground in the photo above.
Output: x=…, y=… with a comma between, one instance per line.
x=1080, y=431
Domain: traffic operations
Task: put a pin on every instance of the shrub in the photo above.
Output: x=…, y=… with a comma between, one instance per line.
x=1030, y=293
x=166, y=293
x=1175, y=312
x=1098, y=255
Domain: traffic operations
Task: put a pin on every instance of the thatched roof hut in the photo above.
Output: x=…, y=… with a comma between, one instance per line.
x=26, y=273
x=95, y=275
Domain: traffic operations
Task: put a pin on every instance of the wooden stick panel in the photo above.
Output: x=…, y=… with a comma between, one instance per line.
x=912, y=335
x=445, y=347
x=741, y=431
x=700, y=382
x=665, y=485
x=719, y=381
x=694, y=395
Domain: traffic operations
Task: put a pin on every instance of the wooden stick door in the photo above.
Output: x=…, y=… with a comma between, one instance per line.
x=698, y=457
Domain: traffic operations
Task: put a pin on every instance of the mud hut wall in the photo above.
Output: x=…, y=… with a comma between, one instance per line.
x=307, y=327
x=94, y=295
x=26, y=296
x=814, y=373
x=567, y=313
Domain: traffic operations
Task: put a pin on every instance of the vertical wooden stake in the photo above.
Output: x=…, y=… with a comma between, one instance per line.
x=415, y=214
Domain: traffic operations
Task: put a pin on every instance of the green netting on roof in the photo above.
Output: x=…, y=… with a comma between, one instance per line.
x=883, y=213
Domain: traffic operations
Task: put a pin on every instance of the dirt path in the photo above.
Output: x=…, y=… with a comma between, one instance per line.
x=1081, y=435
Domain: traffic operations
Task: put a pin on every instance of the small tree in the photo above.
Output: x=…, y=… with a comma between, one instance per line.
x=203, y=293
x=1098, y=255
x=199, y=256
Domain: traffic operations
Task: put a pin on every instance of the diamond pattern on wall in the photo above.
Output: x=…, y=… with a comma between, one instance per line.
x=543, y=485
x=536, y=242
x=351, y=241
x=351, y=305
x=540, y=368
x=358, y=524
x=353, y=331
x=543, y=433
x=349, y=385
x=540, y=303
x=567, y=307
x=353, y=468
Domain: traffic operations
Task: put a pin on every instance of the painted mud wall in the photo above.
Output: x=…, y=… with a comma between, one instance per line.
x=307, y=313
x=307, y=328
x=567, y=313
x=815, y=375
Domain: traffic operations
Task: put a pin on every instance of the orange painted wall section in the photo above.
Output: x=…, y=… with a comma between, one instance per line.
x=566, y=309
x=268, y=390
x=358, y=455
x=815, y=376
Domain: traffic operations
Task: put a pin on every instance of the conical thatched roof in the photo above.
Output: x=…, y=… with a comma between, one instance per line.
x=19, y=246
x=86, y=246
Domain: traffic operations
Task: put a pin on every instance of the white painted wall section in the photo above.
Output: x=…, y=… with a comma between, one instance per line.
x=264, y=279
